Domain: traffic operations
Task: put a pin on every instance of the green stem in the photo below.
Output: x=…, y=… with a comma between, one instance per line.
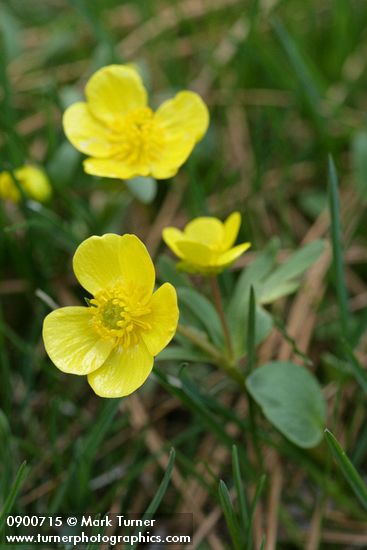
x=219, y=307
x=219, y=359
x=195, y=338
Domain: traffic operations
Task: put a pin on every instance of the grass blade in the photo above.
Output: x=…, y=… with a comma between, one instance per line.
x=230, y=515
x=153, y=506
x=241, y=495
x=300, y=69
x=348, y=470
x=18, y=482
x=336, y=239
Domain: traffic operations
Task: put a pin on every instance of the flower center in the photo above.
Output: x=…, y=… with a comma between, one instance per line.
x=138, y=137
x=119, y=313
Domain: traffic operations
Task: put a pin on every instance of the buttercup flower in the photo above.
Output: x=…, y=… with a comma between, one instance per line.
x=123, y=137
x=114, y=340
x=206, y=244
x=33, y=181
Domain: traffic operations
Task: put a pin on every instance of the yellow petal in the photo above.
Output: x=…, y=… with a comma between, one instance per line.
x=205, y=230
x=113, y=91
x=231, y=255
x=110, y=168
x=194, y=253
x=85, y=132
x=185, y=113
x=170, y=236
x=124, y=371
x=71, y=342
x=175, y=152
x=163, y=319
x=101, y=262
x=231, y=229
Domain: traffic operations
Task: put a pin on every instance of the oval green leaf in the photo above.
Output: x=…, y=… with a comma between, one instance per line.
x=291, y=399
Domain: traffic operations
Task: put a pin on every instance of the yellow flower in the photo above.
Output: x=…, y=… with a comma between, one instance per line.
x=206, y=244
x=33, y=181
x=114, y=340
x=123, y=137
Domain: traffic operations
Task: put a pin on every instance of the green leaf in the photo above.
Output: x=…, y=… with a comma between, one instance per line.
x=281, y=282
x=204, y=311
x=298, y=262
x=238, y=308
x=348, y=470
x=269, y=295
x=359, y=162
x=230, y=516
x=252, y=275
x=143, y=188
x=19, y=480
x=271, y=286
x=268, y=287
x=291, y=399
x=263, y=325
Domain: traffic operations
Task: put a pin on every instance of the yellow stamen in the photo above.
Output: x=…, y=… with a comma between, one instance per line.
x=119, y=313
x=137, y=137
